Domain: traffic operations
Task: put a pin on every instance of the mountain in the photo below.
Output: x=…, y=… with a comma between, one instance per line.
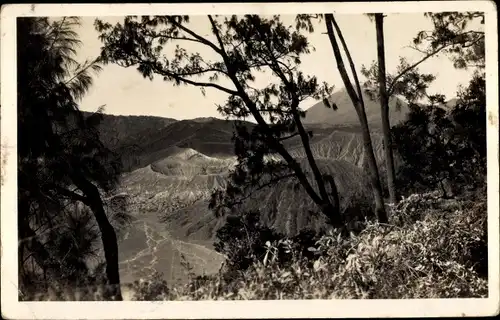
x=208, y=136
x=173, y=224
x=172, y=168
x=341, y=144
x=169, y=197
x=346, y=116
x=116, y=130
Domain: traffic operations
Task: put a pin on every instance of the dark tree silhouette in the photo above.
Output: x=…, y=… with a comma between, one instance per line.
x=244, y=47
x=60, y=157
x=458, y=35
x=438, y=144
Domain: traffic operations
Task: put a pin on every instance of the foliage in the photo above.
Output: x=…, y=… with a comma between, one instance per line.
x=242, y=240
x=245, y=239
x=61, y=160
x=458, y=35
x=439, y=253
x=433, y=248
x=75, y=265
x=407, y=82
x=152, y=289
x=438, y=144
x=453, y=33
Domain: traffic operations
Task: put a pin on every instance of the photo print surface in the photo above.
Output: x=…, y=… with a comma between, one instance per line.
x=234, y=155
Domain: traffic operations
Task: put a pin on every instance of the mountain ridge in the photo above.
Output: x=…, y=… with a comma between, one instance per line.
x=346, y=115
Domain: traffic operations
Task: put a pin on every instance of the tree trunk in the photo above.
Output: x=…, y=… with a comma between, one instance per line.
x=322, y=201
x=108, y=235
x=384, y=105
x=331, y=210
x=358, y=103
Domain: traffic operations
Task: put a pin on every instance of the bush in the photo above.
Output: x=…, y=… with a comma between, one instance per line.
x=154, y=288
x=245, y=239
x=242, y=240
x=433, y=254
x=432, y=248
x=444, y=147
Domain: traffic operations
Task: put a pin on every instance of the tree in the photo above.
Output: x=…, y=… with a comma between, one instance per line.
x=438, y=144
x=450, y=36
x=384, y=105
x=357, y=100
x=245, y=47
x=61, y=159
x=453, y=35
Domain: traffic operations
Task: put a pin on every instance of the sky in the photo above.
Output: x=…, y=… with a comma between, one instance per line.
x=124, y=91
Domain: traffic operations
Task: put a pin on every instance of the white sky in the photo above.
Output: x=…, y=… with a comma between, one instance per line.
x=126, y=92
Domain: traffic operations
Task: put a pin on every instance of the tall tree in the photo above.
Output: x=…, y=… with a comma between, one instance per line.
x=60, y=155
x=458, y=35
x=384, y=106
x=452, y=35
x=357, y=100
x=245, y=47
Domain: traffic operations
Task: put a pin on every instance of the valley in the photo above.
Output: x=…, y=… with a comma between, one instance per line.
x=172, y=167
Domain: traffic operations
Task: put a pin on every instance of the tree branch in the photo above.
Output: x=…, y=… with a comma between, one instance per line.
x=429, y=55
x=406, y=70
x=340, y=64
x=195, y=35
x=178, y=77
x=273, y=142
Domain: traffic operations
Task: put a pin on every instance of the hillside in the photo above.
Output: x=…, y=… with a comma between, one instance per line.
x=143, y=140
x=342, y=145
x=346, y=115
x=174, y=166
x=210, y=136
x=115, y=131
x=169, y=202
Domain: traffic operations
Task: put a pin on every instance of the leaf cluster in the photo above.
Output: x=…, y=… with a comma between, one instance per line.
x=452, y=30
x=438, y=143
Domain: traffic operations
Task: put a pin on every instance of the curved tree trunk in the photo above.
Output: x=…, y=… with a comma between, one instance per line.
x=108, y=235
x=357, y=100
x=329, y=209
x=384, y=105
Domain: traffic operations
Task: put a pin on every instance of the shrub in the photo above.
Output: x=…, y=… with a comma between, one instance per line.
x=154, y=288
x=245, y=239
x=433, y=254
x=433, y=248
x=443, y=147
x=242, y=240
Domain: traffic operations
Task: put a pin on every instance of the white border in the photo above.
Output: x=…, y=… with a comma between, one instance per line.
x=11, y=308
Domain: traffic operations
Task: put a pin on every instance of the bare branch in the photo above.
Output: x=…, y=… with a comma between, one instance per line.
x=195, y=35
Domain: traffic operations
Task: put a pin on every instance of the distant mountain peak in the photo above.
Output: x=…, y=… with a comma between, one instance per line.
x=188, y=154
x=346, y=115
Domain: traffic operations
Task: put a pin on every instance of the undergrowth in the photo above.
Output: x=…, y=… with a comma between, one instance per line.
x=431, y=248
